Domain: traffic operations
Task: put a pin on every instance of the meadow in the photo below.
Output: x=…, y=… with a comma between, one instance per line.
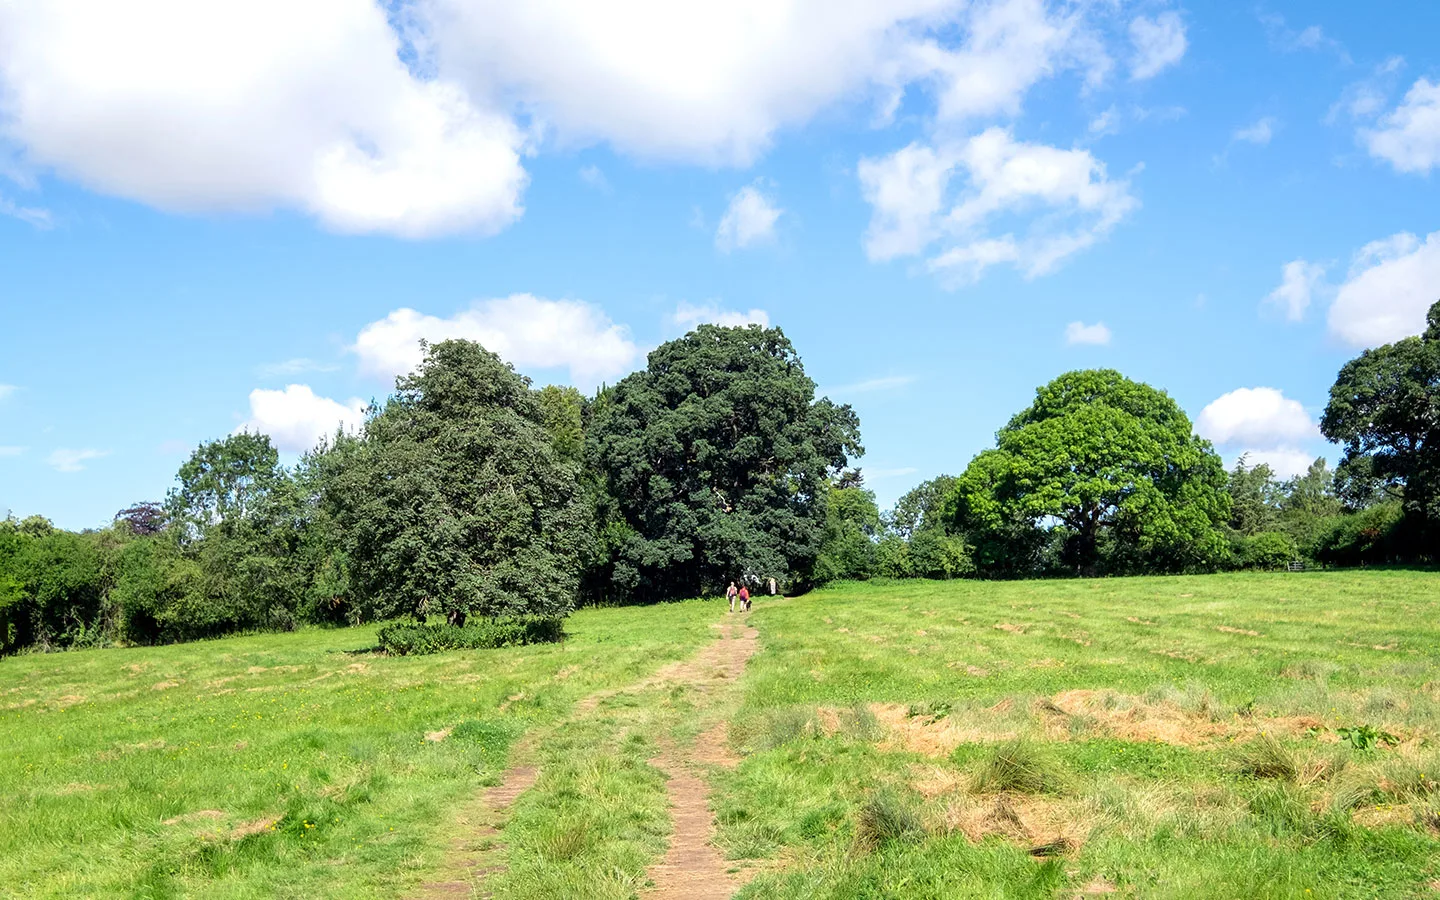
x=1244, y=735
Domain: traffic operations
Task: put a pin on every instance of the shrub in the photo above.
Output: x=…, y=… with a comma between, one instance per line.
x=487, y=634
x=1268, y=550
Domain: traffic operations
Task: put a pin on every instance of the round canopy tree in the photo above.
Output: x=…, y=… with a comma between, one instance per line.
x=1108, y=467
x=1385, y=409
x=715, y=460
x=454, y=500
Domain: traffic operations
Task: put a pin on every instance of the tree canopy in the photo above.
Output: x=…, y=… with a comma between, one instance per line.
x=1385, y=410
x=1107, y=467
x=715, y=460
x=455, y=500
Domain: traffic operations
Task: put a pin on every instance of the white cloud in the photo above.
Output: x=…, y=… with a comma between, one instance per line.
x=248, y=106
x=11, y=451
x=297, y=366
x=1159, y=43
x=1108, y=122
x=1390, y=287
x=689, y=315
x=713, y=82
x=1080, y=333
x=1069, y=199
x=1256, y=417
x=1285, y=462
x=30, y=215
x=296, y=418
x=66, y=460
x=1298, y=282
x=870, y=385
x=749, y=219
x=526, y=331
x=1312, y=37
x=595, y=178
x=1408, y=137
x=1259, y=133
x=6, y=390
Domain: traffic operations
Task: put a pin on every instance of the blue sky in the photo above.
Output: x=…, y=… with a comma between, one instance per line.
x=244, y=215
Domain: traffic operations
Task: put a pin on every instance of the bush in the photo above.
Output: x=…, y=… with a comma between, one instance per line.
x=1267, y=550
x=417, y=640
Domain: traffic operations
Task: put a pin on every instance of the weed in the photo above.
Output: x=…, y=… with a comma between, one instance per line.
x=1366, y=737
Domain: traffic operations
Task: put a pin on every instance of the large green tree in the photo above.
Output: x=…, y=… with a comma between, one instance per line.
x=716, y=459
x=224, y=481
x=455, y=500
x=1108, y=467
x=1385, y=410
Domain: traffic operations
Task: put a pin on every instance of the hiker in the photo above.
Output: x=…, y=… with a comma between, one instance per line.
x=744, y=598
x=730, y=593
x=772, y=587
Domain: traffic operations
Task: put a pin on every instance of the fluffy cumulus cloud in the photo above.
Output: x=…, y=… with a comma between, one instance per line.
x=1390, y=287
x=749, y=219
x=1299, y=281
x=714, y=82
x=688, y=315
x=526, y=331
x=1285, y=462
x=1067, y=196
x=1263, y=425
x=1261, y=416
x=65, y=459
x=296, y=418
x=1159, y=43
x=249, y=106
x=1408, y=137
x=1080, y=333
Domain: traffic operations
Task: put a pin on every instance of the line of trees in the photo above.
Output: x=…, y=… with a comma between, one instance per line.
x=469, y=493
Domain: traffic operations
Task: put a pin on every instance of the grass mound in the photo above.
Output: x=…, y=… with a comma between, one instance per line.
x=884, y=818
x=417, y=640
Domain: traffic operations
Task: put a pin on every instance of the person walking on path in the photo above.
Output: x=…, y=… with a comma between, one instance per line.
x=744, y=598
x=730, y=594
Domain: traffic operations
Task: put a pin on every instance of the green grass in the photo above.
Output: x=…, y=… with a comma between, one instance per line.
x=319, y=751
x=1202, y=761
x=1157, y=737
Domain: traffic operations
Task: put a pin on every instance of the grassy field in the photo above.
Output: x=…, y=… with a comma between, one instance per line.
x=1154, y=737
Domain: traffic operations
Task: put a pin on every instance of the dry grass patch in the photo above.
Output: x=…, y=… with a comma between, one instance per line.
x=1043, y=826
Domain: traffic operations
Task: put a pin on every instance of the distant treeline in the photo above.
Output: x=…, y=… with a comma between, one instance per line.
x=469, y=493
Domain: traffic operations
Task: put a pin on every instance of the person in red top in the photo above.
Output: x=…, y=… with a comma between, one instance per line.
x=744, y=597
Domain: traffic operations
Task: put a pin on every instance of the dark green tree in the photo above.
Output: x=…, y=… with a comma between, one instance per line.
x=455, y=500
x=1384, y=410
x=716, y=458
x=1111, y=468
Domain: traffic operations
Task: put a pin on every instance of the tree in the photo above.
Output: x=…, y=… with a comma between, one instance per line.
x=454, y=500
x=224, y=480
x=1309, y=505
x=1111, y=468
x=1255, y=497
x=143, y=519
x=932, y=547
x=716, y=459
x=852, y=523
x=1385, y=410
x=563, y=410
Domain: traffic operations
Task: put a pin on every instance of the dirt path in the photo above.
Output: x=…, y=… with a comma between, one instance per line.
x=481, y=824
x=692, y=867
